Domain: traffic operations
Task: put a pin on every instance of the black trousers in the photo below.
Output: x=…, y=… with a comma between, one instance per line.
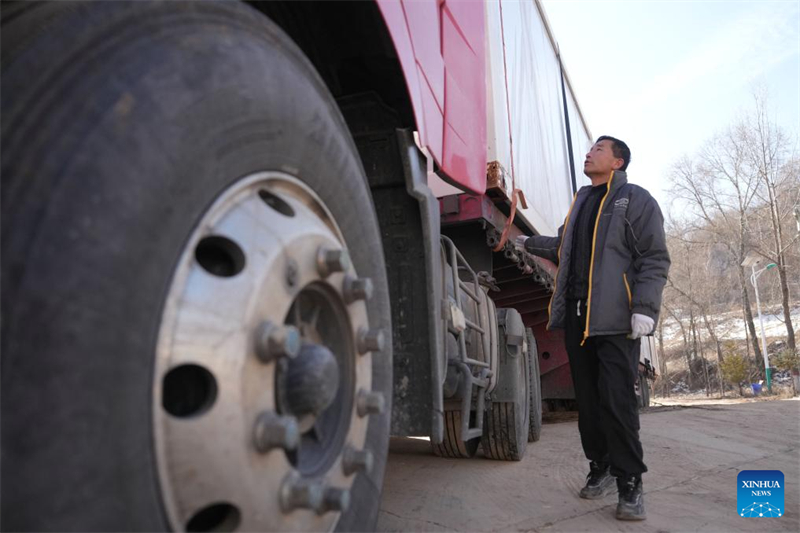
x=604, y=372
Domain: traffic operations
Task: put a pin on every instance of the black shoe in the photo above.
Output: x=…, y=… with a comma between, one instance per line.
x=599, y=482
x=631, y=498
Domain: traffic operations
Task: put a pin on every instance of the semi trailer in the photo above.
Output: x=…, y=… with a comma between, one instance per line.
x=243, y=243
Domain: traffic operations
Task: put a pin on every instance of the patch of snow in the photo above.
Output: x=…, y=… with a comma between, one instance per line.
x=731, y=326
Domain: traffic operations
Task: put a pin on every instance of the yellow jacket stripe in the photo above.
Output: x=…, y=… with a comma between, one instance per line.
x=627, y=289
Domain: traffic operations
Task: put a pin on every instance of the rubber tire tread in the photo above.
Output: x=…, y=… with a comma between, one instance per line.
x=640, y=398
x=452, y=446
x=535, y=427
x=644, y=387
x=501, y=445
x=114, y=147
x=501, y=439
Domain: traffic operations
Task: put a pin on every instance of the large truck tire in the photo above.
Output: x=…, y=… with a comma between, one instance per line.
x=507, y=420
x=172, y=173
x=453, y=446
x=535, y=429
x=644, y=391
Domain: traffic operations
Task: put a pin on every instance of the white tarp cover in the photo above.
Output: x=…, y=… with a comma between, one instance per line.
x=532, y=78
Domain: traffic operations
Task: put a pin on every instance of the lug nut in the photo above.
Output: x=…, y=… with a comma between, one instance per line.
x=334, y=499
x=275, y=431
x=370, y=340
x=274, y=341
x=354, y=461
x=369, y=403
x=356, y=289
x=292, y=272
x=299, y=493
x=330, y=261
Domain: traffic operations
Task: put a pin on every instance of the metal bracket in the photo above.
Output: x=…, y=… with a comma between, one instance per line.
x=468, y=384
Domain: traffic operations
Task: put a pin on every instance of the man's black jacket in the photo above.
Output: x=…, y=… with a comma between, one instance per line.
x=629, y=261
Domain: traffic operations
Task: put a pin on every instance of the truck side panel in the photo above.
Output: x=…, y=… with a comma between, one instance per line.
x=440, y=48
x=427, y=113
x=465, y=94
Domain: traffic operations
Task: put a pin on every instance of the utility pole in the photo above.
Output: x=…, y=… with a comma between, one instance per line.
x=751, y=260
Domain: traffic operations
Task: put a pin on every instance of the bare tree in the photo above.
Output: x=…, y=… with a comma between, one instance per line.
x=695, y=336
x=687, y=354
x=662, y=358
x=692, y=276
x=767, y=157
x=718, y=194
x=703, y=309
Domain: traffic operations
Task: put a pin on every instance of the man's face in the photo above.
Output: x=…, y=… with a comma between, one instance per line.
x=601, y=160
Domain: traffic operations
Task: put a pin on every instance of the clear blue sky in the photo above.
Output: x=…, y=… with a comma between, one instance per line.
x=664, y=76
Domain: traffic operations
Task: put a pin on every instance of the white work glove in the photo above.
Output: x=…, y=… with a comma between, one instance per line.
x=641, y=325
x=519, y=242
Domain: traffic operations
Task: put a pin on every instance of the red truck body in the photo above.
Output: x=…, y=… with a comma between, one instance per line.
x=440, y=46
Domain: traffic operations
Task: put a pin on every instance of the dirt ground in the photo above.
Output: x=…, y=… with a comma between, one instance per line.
x=694, y=451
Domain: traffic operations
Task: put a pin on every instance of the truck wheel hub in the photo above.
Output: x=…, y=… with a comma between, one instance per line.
x=260, y=366
x=309, y=385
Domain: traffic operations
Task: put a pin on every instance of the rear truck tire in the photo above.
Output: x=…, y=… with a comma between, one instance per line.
x=638, y=389
x=535, y=429
x=507, y=419
x=189, y=340
x=644, y=391
x=453, y=446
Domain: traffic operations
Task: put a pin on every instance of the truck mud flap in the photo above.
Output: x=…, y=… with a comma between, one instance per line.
x=408, y=214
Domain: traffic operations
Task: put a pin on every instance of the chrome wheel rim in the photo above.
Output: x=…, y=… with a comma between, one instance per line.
x=263, y=375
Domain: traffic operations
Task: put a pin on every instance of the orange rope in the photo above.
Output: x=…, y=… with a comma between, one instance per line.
x=517, y=194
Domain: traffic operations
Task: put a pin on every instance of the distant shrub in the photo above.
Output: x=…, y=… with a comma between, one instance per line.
x=735, y=369
x=785, y=360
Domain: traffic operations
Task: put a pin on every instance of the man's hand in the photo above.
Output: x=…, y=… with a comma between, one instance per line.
x=641, y=325
x=519, y=242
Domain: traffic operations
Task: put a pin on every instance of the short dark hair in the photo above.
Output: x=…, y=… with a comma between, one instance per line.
x=619, y=148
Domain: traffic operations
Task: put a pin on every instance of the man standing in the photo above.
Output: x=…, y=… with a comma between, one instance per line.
x=612, y=267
